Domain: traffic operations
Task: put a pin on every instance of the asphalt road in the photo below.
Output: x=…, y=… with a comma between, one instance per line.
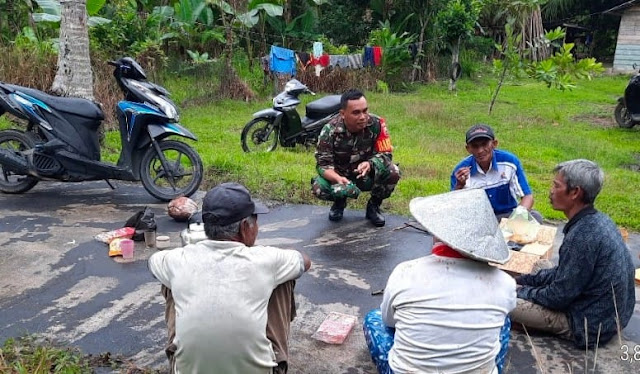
x=59, y=283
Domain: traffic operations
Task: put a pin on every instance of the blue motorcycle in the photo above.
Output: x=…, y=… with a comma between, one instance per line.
x=61, y=139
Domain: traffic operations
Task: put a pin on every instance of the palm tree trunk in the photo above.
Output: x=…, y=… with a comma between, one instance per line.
x=74, y=76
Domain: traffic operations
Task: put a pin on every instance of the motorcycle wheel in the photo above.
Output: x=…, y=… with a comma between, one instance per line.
x=11, y=183
x=623, y=118
x=253, y=136
x=184, y=175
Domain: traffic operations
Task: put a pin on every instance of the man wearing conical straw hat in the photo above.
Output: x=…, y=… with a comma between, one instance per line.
x=447, y=312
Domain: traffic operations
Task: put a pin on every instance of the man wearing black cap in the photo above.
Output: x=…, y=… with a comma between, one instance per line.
x=498, y=172
x=233, y=299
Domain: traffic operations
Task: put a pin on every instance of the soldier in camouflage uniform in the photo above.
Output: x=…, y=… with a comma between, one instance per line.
x=353, y=155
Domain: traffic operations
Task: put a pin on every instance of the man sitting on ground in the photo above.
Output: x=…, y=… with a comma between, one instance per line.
x=222, y=288
x=449, y=309
x=498, y=172
x=594, y=266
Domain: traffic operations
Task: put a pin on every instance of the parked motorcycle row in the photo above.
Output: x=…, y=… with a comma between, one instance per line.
x=60, y=141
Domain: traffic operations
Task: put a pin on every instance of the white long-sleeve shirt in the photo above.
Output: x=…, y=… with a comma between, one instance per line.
x=447, y=313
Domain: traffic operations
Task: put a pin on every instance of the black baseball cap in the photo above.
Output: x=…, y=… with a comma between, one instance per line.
x=480, y=131
x=228, y=203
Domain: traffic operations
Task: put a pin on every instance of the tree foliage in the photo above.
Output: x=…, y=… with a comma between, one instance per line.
x=458, y=19
x=560, y=71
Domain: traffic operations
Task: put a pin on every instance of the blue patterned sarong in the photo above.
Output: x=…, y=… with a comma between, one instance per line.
x=379, y=339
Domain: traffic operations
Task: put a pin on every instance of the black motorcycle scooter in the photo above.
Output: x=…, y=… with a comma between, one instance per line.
x=61, y=139
x=627, y=112
x=282, y=123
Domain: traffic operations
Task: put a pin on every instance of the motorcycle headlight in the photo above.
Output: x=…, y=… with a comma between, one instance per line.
x=164, y=105
x=168, y=109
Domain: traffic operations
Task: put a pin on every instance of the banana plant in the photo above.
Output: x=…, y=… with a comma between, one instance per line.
x=51, y=12
x=251, y=18
x=191, y=20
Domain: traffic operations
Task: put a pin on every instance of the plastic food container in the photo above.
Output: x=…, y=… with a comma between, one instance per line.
x=163, y=242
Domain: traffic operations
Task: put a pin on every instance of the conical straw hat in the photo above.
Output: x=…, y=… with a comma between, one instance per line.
x=465, y=221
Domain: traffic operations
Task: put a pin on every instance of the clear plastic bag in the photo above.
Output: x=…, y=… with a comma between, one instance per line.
x=522, y=226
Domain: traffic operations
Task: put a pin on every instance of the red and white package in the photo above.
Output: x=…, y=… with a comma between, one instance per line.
x=123, y=233
x=335, y=328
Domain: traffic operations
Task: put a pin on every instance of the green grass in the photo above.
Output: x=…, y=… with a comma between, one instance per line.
x=30, y=355
x=541, y=126
x=24, y=355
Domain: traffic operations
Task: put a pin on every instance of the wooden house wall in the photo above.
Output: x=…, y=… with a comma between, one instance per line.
x=628, y=45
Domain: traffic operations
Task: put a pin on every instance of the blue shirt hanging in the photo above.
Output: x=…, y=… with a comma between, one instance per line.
x=282, y=60
x=367, y=58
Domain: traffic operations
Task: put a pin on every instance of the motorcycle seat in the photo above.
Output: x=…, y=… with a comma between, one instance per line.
x=323, y=107
x=74, y=105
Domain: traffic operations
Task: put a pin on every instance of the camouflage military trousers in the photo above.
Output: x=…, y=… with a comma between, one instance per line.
x=381, y=181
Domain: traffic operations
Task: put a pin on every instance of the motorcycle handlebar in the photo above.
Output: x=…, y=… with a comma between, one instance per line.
x=113, y=63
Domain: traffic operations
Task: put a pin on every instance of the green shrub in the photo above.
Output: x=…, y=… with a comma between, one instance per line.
x=25, y=355
x=471, y=63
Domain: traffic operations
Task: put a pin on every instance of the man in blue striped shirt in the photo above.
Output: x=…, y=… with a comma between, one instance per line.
x=498, y=172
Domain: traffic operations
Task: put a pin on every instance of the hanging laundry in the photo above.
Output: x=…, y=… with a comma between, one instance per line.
x=355, y=61
x=318, y=70
x=317, y=49
x=377, y=55
x=323, y=60
x=282, y=60
x=304, y=59
x=341, y=61
x=367, y=58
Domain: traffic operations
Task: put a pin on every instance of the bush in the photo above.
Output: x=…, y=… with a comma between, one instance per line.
x=28, y=66
x=471, y=62
x=482, y=46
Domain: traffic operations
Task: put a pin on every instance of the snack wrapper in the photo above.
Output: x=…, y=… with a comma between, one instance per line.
x=123, y=233
x=114, y=247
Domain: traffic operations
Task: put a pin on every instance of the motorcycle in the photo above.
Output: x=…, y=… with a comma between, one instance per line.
x=627, y=112
x=61, y=139
x=282, y=123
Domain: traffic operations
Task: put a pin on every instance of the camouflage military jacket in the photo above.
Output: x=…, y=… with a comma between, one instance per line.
x=341, y=150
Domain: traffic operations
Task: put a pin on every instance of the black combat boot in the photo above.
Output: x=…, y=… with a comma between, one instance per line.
x=337, y=209
x=373, y=212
